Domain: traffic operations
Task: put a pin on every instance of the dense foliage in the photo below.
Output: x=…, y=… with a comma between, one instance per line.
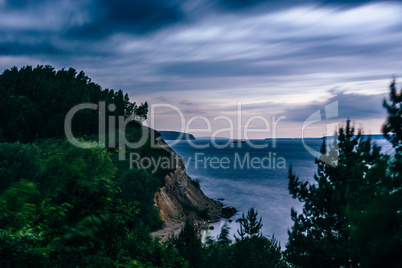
x=71, y=216
x=251, y=249
x=351, y=215
x=392, y=128
x=62, y=206
x=35, y=101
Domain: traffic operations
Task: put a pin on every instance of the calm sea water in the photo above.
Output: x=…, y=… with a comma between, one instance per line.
x=248, y=177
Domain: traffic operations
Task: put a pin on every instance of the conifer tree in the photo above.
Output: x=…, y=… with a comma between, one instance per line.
x=253, y=249
x=321, y=234
x=189, y=244
x=392, y=128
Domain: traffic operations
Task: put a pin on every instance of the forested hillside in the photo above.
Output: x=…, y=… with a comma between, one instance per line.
x=64, y=206
x=35, y=101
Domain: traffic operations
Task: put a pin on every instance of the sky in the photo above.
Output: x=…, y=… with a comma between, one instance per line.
x=276, y=61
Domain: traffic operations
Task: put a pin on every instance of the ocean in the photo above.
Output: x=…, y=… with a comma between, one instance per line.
x=248, y=177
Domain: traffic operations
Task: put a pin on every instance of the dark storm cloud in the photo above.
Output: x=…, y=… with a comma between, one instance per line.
x=19, y=4
x=138, y=17
x=14, y=48
x=204, y=56
x=237, y=4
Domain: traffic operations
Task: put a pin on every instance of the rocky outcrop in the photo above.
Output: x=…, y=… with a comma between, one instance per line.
x=228, y=212
x=180, y=198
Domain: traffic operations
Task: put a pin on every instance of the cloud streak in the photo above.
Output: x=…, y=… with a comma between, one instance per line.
x=267, y=54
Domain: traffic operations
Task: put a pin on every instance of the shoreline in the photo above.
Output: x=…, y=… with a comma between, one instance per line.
x=172, y=227
x=180, y=199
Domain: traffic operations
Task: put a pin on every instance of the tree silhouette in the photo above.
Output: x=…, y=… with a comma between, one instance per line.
x=250, y=226
x=392, y=128
x=321, y=234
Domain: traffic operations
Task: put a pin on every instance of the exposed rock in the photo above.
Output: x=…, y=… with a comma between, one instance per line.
x=179, y=198
x=239, y=220
x=228, y=212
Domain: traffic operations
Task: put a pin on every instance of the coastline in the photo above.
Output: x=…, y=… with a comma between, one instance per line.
x=180, y=199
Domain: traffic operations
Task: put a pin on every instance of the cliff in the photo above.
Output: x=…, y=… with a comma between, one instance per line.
x=180, y=198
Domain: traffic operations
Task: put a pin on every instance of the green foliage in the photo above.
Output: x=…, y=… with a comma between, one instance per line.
x=19, y=204
x=18, y=161
x=157, y=167
x=376, y=220
x=157, y=254
x=252, y=249
x=85, y=197
x=22, y=238
x=35, y=101
x=189, y=244
x=343, y=209
x=392, y=128
x=80, y=222
x=258, y=251
x=218, y=253
x=61, y=206
x=138, y=186
x=250, y=226
x=78, y=216
x=24, y=247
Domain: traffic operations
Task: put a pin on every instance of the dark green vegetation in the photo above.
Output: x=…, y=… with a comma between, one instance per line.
x=352, y=213
x=62, y=206
x=68, y=213
x=251, y=249
x=35, y=101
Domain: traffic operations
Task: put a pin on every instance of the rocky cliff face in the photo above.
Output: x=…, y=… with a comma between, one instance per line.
x=179, y=198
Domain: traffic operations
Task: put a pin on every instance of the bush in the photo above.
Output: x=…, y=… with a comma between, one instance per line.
x=18, y=161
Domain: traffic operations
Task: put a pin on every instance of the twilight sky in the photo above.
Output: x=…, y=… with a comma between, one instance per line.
x=278, y=58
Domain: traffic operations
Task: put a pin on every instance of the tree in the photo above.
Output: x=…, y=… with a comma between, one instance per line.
x=89, y=223
x=218, y=253
x=374, y=217
x=35, y=101
x=253, y=249
x=22, y=237
x=18, y=161
x=250, y=226
x=321, y=234
x=139, y=186
x=392, y=128
x=376, y=223
x=189, y=244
